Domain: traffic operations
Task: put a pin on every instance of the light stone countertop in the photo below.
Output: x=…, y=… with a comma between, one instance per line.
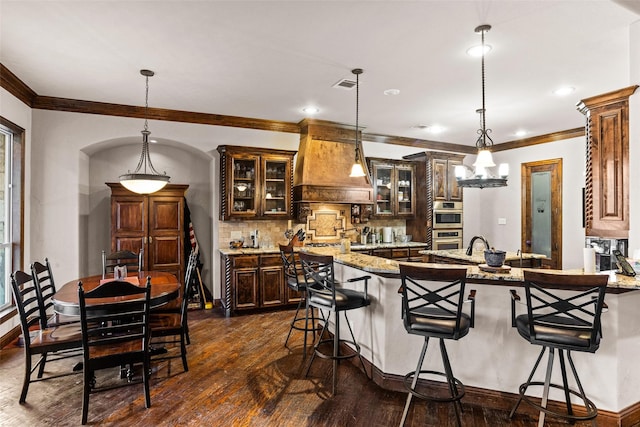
x=387, y=267
x=477, y=257
x=354, y=247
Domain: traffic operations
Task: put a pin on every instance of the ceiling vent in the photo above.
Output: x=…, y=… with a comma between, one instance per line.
x=345, y=84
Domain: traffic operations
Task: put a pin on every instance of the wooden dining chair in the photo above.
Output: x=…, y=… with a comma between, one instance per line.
x=132, y=261
x=46, y=288
x=169, y=324
x=115, y=332
x=50, y=343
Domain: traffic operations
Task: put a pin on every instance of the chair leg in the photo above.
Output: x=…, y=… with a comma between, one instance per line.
x=27, y=378
x=547, y=381
x=533, y=371
x=336, y=352
x=563, y=369
x=582, y=393
x=145, y=379
x=357, y=346
x=183, y=349
x=42, y=362
x=315, y=347
x=453, y=389
x=86, y=390
x=415, y=380
x=293, y=322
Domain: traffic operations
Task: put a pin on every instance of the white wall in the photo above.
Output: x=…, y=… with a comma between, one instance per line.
x=482, y=208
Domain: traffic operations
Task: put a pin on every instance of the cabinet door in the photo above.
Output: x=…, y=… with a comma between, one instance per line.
x=271, y=286
x=440, y=173
x=128, y=223
x=244, y=185
x=276, y=188
x=245, y=288
x=405, y=182
x=383, y=189
x=165, y=248
x=455, y=192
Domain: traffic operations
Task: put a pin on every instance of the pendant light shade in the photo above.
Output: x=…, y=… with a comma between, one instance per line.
x=357, y=170
x=144, y=179
x=480, y=177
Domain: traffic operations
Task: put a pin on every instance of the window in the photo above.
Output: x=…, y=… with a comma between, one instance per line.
x=11, y=167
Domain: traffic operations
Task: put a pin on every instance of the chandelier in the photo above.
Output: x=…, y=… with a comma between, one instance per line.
x=145, y=179
x=480, y=177
x=357, y=170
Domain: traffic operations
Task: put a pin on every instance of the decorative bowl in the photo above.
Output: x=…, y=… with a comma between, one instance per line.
x=406, y=238
x=236, y=244
x=494, y=258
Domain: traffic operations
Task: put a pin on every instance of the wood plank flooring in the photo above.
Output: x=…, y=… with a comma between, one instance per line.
x=240, y=374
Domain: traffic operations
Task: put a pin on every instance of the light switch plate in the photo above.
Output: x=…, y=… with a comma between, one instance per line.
x=502, y=221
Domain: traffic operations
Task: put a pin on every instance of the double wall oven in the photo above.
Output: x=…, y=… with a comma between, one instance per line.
x=447, y=225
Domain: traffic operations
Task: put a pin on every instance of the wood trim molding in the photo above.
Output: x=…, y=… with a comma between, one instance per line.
x=12, y=84
x=541, y=139
x=605, y=98
x=8, y=338
x=21, y=91
x=90, y=107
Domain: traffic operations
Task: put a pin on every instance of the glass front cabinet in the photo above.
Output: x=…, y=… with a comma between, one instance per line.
x=393, y=187
x=255, y=183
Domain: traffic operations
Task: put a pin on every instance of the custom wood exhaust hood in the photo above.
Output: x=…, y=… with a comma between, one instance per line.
x=323, y=165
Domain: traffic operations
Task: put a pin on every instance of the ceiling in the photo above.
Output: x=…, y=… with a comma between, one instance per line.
x=269, y=59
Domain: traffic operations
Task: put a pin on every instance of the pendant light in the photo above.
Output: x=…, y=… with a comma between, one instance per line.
x=145, y=179
x=480, y=177
x=357, y=170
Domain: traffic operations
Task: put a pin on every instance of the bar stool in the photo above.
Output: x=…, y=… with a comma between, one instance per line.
x=296, y=282
x=324, y=294
x=567, y=322
x=432, y=303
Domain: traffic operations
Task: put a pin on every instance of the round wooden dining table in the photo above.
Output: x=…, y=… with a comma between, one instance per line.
x=165, y=287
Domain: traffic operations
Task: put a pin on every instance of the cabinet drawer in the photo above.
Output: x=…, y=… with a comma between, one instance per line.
x=244, y=261
x=384, y=253
x=399, y=253
x=415, y=252
x=270, y=260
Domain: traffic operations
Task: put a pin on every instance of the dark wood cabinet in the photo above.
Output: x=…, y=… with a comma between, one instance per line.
x=435, y=180
x=254, y=282
x=153, y=223
x=607, y=163
x=394, y=188
x=255, y=183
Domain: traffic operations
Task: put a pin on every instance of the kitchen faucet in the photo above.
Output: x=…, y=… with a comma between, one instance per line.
x=473, y=239
x=344, y=231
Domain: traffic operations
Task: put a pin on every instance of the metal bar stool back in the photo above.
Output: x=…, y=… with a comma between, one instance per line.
x=432, y=306
x=563, y=314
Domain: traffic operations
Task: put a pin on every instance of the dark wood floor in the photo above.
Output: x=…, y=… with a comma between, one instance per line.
x=240, y=375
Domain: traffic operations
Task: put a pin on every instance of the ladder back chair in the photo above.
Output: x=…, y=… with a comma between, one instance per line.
x=132, y=261
x=115, y=332
x=169, y=325
x=46, y=288
x=51, y=343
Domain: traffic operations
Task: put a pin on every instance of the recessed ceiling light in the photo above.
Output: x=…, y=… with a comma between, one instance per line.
x=311, y=110
x=479, y=50
x=153, y=141
x=430, y=128
x=392, y=92
x=521, y=133
x=564, y=90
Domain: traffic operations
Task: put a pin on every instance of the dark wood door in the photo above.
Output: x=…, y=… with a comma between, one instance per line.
x=165, y=248
x=545, y=206
x=245, y=290
x=272, y=286
x=128, y=223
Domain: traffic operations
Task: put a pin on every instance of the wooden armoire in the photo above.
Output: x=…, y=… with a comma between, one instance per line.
x=153, y=223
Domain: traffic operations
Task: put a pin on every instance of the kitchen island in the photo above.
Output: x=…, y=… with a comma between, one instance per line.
x=493, y=360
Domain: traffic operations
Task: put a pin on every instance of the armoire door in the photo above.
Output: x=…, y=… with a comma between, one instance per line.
x=166, y=247
x=128, y=223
